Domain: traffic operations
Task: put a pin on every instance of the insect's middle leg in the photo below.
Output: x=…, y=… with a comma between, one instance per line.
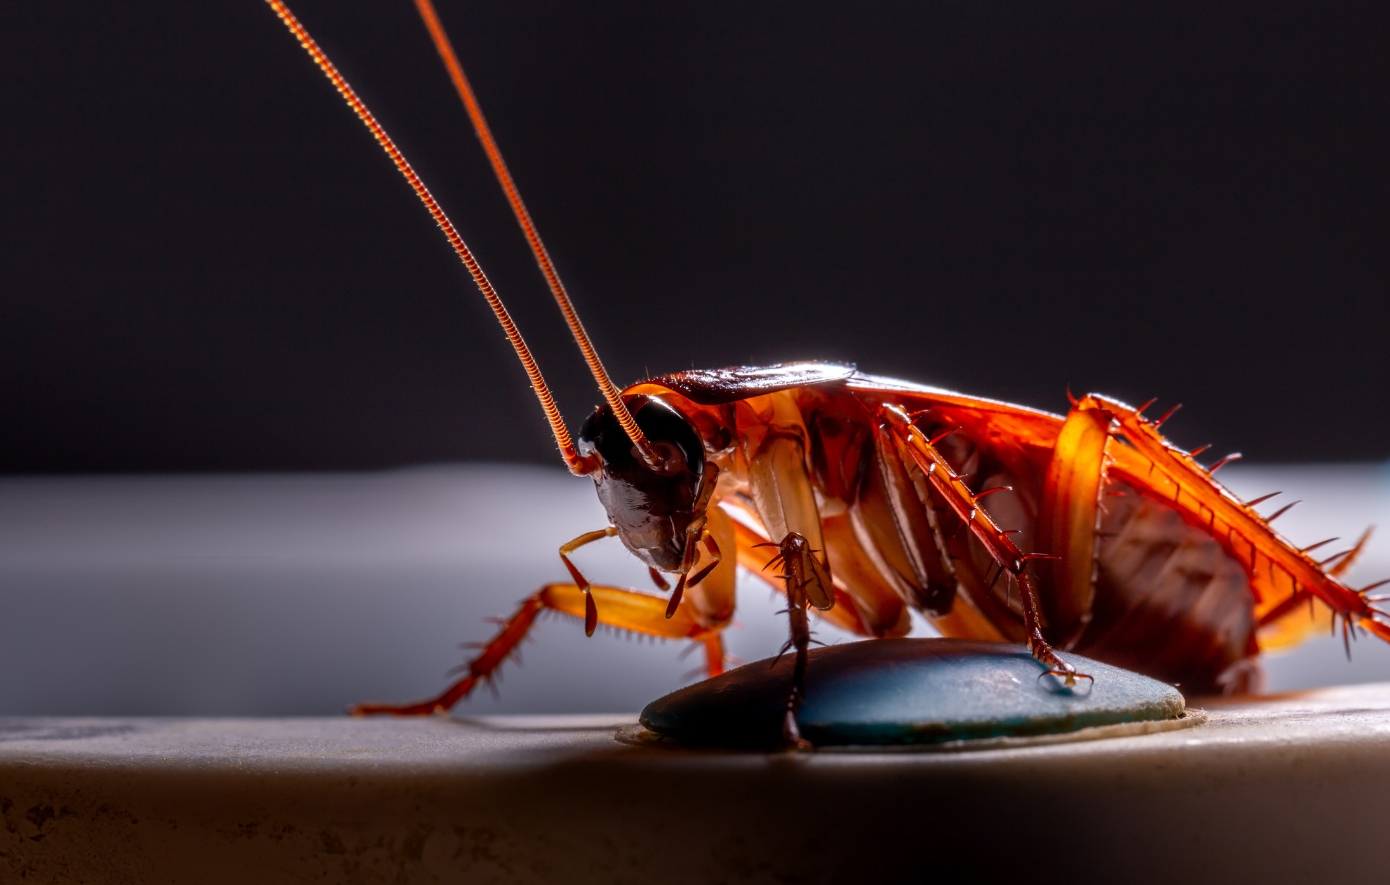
x=785, y=500
x=801, y=570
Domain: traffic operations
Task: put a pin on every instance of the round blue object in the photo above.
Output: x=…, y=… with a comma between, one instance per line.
x=908, y=691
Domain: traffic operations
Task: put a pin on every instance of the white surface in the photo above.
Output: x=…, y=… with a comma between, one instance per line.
x=1281, y=790
x=299, y=594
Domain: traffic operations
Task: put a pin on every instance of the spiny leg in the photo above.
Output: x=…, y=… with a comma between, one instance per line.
x=1347, y=558
x=784, y=498
x=714, y=653
x=843, y=615
x=1001, y=549
x=806, y=580
x=1282, y=575
x=621, y=609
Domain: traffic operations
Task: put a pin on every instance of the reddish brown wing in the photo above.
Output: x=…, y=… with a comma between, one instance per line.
x=715, y=387
x=1019, y=436
x=1027, y=433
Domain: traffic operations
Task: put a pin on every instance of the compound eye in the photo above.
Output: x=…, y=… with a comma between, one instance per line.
x=670, y=460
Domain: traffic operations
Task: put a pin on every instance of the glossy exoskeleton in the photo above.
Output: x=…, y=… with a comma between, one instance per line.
x=873, y=497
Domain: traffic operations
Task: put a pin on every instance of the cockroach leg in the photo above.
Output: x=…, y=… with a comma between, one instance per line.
x=1032, y=625
x=803, y=570
x=714, y=653
x=622, y=609
x=997, y=542
x=590, y=608
x=1278, y=571
x=1348, y=558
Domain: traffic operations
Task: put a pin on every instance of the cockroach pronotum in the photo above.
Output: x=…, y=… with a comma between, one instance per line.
x=873, y=496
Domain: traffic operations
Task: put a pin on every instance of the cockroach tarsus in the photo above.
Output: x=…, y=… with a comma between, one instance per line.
x=878, y=497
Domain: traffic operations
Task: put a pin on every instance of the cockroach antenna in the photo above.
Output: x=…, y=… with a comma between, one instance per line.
x=523, y=217
x=573, y=460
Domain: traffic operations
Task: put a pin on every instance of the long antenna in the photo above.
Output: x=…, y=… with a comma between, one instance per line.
x=573, y=460
x=557, y=288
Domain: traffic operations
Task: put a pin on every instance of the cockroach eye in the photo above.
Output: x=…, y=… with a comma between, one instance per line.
x=669, y=458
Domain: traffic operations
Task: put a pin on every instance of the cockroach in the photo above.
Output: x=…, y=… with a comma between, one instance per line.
x=872, y=497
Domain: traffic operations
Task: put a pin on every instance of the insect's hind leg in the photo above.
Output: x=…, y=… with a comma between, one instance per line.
x=617, y=607
x=1281, y=576
x=1001, y=549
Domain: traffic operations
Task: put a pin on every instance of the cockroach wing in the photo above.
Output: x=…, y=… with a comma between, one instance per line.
x=715, y=387
x=997, y=419
x=1019, y=436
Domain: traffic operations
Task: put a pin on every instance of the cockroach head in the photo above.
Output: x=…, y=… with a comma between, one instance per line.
x=650, y=505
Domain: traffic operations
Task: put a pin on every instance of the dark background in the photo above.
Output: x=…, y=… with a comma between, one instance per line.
x=207, y=264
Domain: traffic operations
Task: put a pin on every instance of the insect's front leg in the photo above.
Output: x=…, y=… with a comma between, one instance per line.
x=785, y=498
